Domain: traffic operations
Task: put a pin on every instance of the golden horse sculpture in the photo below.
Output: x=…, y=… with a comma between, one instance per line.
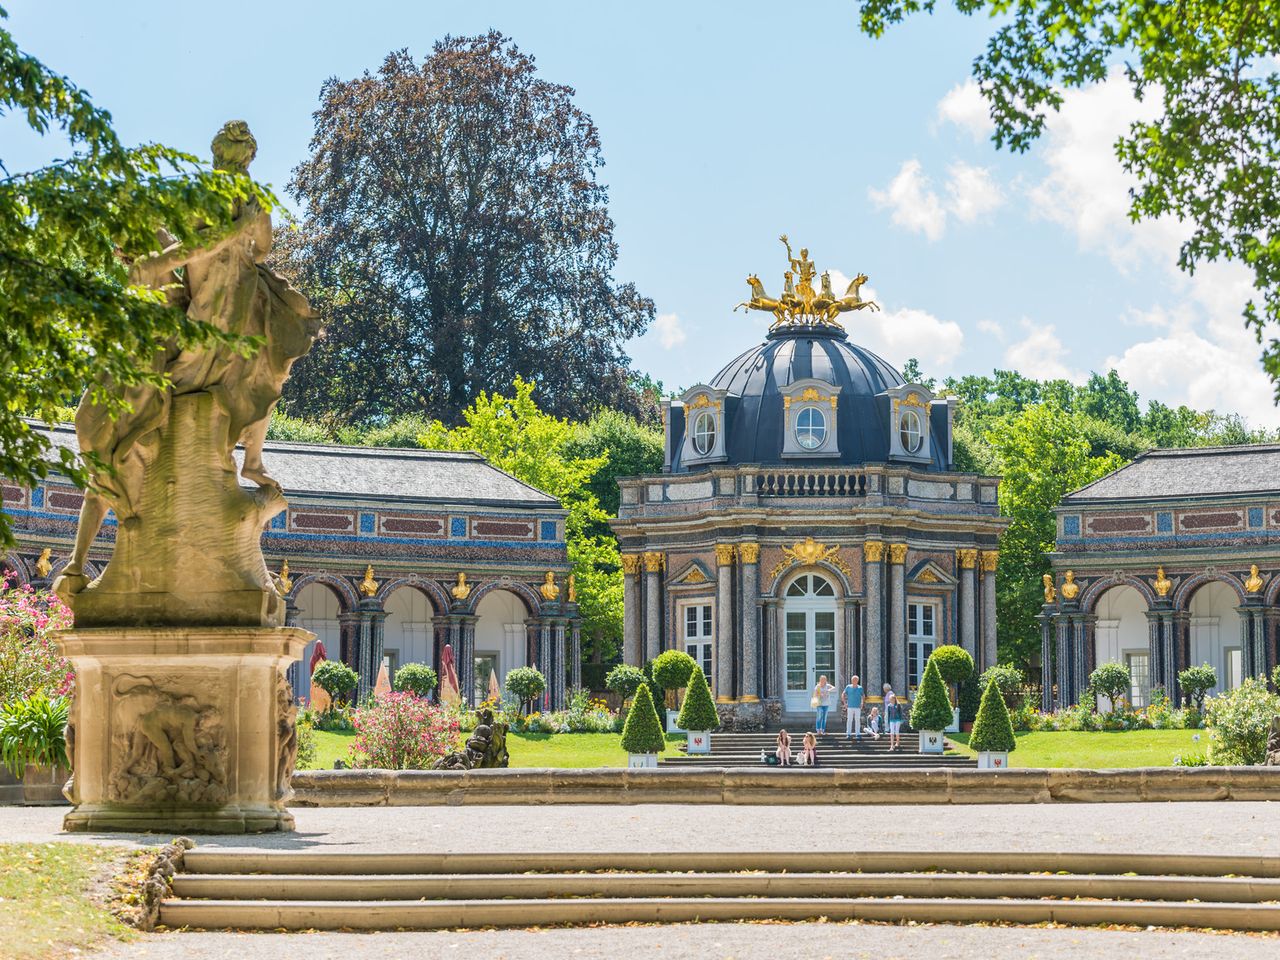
x=799, y=304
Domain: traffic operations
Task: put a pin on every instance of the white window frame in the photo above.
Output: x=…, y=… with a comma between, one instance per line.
x=1138, y=695
x=705, y=638
x=920, y=644
x=704, y=416
x=906, y=416
x=814, y=410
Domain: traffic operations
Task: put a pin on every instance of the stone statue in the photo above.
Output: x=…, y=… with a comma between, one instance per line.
x=368, y=586
x=1050, y=594
x=461, y=590
x=43, y=563
x=1273, y=743
x=799, y=304
x=286, y=737
x=549, y=590
x=571, y=589
x=190, y=552
x=1254, y=583
x=1070, y=589
x=284, y=582
x=1162, y=583
x=486, y=748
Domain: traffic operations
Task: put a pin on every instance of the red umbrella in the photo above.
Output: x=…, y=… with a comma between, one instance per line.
x=449, y=690
x=317, y=657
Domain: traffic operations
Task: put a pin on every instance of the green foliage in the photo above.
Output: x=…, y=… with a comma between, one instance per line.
x=336, y=679
x=1195, y=682
x=34, y=731
x=698, y=712
x=1209, y=158
x=672, y=669
x=931, y=709
x=68, y=233
x=968, y=696
x=296, y=430
x=1007, y=677
x=1110, y=680
x=992, y=730
x=954, y=663
x=306, y=743
x=416, y=678
x=625, y=680
x=642, y=731
x=629, y=448
x=526, y=684
x=1239, y=721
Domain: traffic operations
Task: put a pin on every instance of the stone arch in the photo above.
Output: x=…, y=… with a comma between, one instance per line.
x=786, y=576
x=1121, y=634
x=1182, y=596
x=342, y=587
x=1215, y=629
x=13, y=562
x=811, y=629
x=532, y=599
x=408, y=630
x=501, y=635
x=432, y=589
x=1094, y=591
x=323, y=620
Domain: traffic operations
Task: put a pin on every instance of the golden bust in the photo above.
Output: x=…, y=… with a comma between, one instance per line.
x=1070, y=588
x=461, y=590
x=1254, y=583
x=368, y=586
x=571, y=589
x=286, y=582
x=43, y=564
x=1162, y=583
x=1050, y=594
x=549, y=590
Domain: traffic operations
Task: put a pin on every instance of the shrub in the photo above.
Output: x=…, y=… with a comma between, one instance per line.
x=416, y=678
x=932, y=707
x=306, y=742
x=401, y=732
x=698, y=712
x=1239, y=721
x=992, y=731
x=1110, y=680
x=624, y=680
x=954, y=663
x=34, y=731
x=642, y=733
x=1191, y=760
x=29, y=660
x=672, y=669
x=337, y=680
x=1008, y=678
x=1275, y=677
x=968, y=696
x=1195, y=682
x=526, y=684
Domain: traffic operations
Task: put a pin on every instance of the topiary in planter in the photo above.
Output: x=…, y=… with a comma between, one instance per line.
x=954, y=663
x=642, y=733
x=526, y=684
x=624, y=680
x=416, y=678
x=1111, y=680
x=672, y=669
x=993, y=731
x=698, y=712
x=932, y=707
x=1195, y=682
x=336, y=679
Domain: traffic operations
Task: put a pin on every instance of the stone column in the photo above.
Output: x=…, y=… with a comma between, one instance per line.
x=771, y=667
x=990, y=654
x=898, y=618
x=849, y=648
x=1062, y=662
x=632, y=631
x=575, y=655
x=1083, y=652
x=749, y=554
x=1046, y=618
x=1253, y=654
x=967, y=561
x=873, y=632
x=348, y=651
x=653, y=564
x=467, y=661
x=545, y=655
x=1270, y=623
x=377, y=621
x=298, y=670
x=724, y=623
x=368, y=644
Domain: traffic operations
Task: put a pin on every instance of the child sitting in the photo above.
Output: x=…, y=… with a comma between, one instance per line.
x=808, y=756
x=873, y=722
x=784, y=748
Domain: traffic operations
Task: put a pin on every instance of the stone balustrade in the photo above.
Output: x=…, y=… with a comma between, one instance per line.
x=811, y=483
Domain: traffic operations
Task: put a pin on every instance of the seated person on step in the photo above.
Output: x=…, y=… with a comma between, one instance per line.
x=808, y=755
x=873, y=722
x=783, y=751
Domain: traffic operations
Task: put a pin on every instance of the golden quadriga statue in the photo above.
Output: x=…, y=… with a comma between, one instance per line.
x=800, y=304
x=183, y=718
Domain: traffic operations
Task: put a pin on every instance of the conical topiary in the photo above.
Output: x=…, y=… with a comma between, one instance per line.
x=992, y=730
x=932, y=707
x=698, y=712
x=642, y=733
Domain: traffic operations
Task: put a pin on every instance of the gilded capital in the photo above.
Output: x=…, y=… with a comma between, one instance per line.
x=724, y=554
x=873, y=551
x=749, y=552
x=968, y=558
x=897, y=552
x=631, y=563
x=653, y=561
x=989, y=560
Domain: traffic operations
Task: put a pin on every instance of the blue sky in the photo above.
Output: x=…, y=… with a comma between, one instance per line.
x=724, y=125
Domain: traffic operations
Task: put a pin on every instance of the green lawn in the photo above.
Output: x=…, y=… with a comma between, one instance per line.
x=47, y=911
x=1100, y=751
x=526, y=749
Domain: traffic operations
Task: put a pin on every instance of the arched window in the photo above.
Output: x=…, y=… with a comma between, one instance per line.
x=910, y=432
x=811, y=428
x=704, y=433
x=811, y=586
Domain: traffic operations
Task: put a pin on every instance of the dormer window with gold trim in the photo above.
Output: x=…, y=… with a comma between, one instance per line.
x=809, y=410
x=909, y=423
x=704, y=423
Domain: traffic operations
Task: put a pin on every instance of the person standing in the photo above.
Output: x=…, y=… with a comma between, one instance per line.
x=852, y=700
x=821, y=702
x=893, y=717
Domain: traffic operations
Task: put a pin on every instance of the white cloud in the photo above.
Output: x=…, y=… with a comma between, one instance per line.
x=991, y=329
x=1039, y=355
x=669, y=330
x=963, y=106
x=915, y=205
x=899, y=334
x=972, y=192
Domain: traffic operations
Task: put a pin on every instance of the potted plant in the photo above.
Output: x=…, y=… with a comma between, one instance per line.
x=416, y=678
x=956, y=666
x=337, y=680
x=671, y=671
x=642, y=733
x=624, y=680
x=698, y=714
x=931, y=710
x=526, y=684
x=993, y=731
x=33, y=746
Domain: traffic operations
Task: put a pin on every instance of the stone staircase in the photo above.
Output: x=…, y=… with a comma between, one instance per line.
x=743, y=750
x=273, y=890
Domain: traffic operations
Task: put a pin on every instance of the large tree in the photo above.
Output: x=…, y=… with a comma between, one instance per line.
x=1212, y=156
x=456, y=236
x=69, y=315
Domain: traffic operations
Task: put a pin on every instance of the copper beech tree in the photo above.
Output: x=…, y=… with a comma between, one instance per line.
x=456, y=236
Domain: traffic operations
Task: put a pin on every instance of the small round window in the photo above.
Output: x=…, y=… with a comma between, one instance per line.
x=704, y=433
x=811, y=428
x=909, y=431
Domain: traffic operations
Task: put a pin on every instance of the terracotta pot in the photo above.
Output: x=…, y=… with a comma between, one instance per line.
x=42, y=786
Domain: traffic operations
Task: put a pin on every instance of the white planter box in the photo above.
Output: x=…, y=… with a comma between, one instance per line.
x=932, y=741
x=990, y=760
x=672, y=726
x=642, y=760
x=955, y=721
x=698, y=741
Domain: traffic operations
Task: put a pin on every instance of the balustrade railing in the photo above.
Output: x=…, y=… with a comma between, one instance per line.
x=811, y=483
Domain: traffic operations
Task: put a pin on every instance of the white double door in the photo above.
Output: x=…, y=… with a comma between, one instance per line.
x=809, y=641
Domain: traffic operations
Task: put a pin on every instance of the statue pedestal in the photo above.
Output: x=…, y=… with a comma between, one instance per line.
x=182, y=729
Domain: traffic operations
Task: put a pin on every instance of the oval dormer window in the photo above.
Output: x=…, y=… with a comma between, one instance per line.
x=704, y=433
x=909, y=431
x=811, y=428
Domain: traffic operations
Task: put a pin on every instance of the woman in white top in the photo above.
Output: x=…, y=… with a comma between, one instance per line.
x=821, y=702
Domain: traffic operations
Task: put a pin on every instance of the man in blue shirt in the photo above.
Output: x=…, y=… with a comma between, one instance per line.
x=852, y=700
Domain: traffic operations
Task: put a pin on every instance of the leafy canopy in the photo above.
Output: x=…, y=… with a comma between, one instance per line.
x=1110, y=680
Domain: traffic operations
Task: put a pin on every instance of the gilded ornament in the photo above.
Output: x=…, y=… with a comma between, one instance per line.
x=724, y=554
x=1254, y=583
x=1050, y=593
x=286, y=582
x=549, y=589
x=631, y=563
x=928, y=576
x=913, y=400
x=749, y=552
x=1070, y=589
x=653, y=561
x=461, y=590
x=968, y=558
x=695, y=575
x=571, y=589
x=800, y=304
x=989, y=560
x=43, y=564
x=810, y=552
x=368, y=586
x=873, y=551
x=897, y=552
x=810, y=393
x=1162, y=583
x=702, y=400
